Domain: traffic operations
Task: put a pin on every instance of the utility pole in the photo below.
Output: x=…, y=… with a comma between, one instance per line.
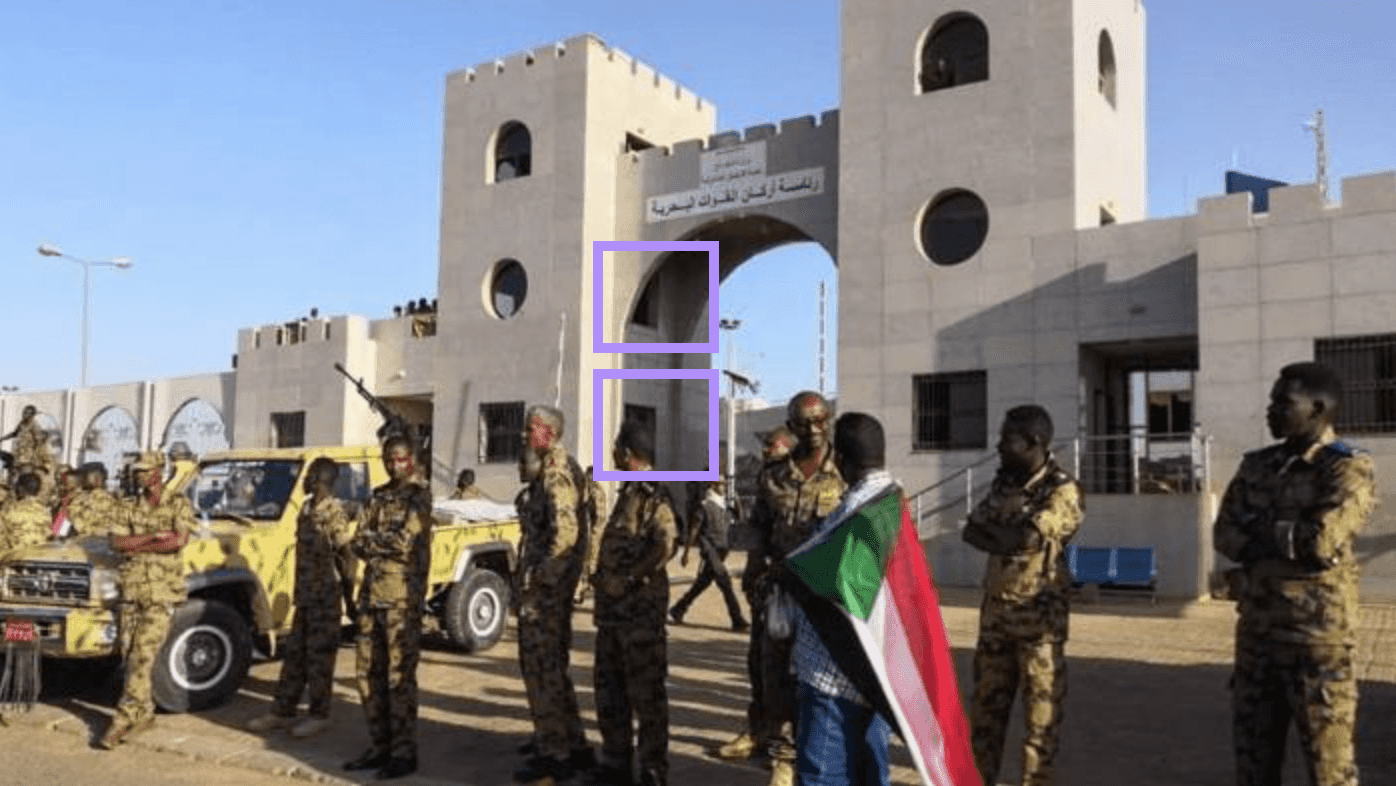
x=822, y=334
x=731, y=325
x=1315, y=124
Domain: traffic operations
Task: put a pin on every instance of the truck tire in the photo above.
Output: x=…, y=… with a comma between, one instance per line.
x=476, y=609
x=205, y=657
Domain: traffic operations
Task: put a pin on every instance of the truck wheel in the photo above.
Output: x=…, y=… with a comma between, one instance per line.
x=205, y=657
x=476, y=609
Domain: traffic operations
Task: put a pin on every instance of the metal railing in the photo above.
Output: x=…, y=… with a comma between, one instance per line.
x=1132, y=463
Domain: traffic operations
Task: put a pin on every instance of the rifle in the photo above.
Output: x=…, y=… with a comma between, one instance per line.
x=393, y=423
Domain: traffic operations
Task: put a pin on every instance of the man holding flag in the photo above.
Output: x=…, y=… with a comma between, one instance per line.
x=870, y=648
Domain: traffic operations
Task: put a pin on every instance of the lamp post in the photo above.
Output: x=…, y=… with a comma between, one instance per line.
x=121, y=263
x=731, y=325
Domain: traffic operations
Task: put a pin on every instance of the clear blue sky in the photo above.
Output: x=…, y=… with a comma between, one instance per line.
x=256, y=158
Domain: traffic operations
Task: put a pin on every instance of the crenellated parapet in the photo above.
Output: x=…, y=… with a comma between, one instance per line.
x=1298, y=204
x=548, y=60
x=797, y=132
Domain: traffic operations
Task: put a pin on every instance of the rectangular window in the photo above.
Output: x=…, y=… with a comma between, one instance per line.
x=288, y=429
x=1367, y=367
x=501, y=432
x=352, y=483
x=648, y=419
x=951, y=411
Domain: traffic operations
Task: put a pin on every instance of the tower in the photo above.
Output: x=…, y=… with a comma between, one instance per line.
x=531, y=148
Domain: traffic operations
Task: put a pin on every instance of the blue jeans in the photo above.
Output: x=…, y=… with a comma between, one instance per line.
x=838, y=742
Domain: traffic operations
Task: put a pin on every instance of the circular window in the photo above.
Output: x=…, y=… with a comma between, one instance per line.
x=508, y=288
x=954, y=227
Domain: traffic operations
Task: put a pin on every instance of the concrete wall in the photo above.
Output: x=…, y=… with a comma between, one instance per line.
x=1105, y=132
x=151, y=404
x=1268, y=286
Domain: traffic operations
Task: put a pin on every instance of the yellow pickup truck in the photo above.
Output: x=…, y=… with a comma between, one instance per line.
x=240, y=567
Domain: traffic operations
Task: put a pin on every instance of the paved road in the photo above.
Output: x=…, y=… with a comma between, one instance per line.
x=33, y=756
x=1148, y=703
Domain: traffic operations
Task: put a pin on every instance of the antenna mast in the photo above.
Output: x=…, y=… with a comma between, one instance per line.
x=1315, y=124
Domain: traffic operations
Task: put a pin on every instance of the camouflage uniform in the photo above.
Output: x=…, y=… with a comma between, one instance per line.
x=152, y=585
x=24, y=523
x=554, y=543
x=323, y=529
x=598, y=518
x=631, y=662
x=1290, y=520
x=1024, y=616
x=31, y=448
x=394, y=540
x=788, y=507
x=94, y=512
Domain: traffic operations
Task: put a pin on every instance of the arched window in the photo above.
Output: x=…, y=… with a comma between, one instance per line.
x=1105, y=56
x=513, y=152
x=955, y=53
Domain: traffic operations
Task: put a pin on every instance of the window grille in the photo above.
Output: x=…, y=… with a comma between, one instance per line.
x=1367, y=367
x=501, y=431
x=288, y=429
x=951, y=411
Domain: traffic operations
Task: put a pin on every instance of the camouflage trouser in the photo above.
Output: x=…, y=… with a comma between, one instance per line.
x=144, y=627
x=389, y=644
x=999, y=665
x=632, y=665
x=308, y=662
x=1314, y=685
x=545, y=651
x=714, y=571
x=771, y=714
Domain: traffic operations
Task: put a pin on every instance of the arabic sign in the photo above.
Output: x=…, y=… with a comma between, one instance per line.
x=741, y=191
x=732, y=163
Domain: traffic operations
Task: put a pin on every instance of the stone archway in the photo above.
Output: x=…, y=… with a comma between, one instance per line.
x=671, y=305
x=199, y=426
x=109, y=436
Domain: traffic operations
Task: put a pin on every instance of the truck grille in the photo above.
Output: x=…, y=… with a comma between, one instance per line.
x=54, y=582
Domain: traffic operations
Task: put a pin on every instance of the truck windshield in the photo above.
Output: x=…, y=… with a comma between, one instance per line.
x=255, y=490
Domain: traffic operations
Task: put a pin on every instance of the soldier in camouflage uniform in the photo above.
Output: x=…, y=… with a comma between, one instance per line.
x=25, y=521
x=1289, y=517
x=91, y=508
x=323, y=530
x=553, y=517
x=1033, y=509
x=598, y=522
x=795, y=494
x=150, y=531
x=394, y=540
x=632, y=594
x=31, y=451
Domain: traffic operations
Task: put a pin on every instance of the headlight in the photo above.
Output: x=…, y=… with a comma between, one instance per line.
x=105, y=584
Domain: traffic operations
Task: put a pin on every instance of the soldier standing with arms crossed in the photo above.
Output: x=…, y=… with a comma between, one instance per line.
x=323, y=529
x=394, y=540
x=795, y=495
x=632, y=594
x=1034, y=507
x=151, y=531
x=552, y=514
x=1289, y=518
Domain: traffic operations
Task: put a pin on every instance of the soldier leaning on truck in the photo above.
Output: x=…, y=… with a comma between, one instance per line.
x=323, y=530
x=394, y=539
x=150, y=531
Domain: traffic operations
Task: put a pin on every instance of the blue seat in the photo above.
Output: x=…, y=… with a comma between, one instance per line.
x=1135, y=567
x=1091, y=565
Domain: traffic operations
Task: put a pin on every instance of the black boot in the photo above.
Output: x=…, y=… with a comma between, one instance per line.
x=541, y=767
x=652, y=778
x=607, y=775
x=397, y=767
x=371, y=759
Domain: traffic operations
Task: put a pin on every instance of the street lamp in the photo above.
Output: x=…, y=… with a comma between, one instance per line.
x=121, y=263
x=733, y=379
